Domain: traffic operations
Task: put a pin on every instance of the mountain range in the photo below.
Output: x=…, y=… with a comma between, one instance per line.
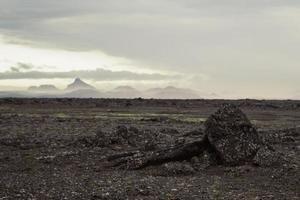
x=81, y=89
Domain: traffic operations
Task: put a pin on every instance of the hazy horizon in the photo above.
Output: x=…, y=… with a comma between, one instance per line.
x=234, y=48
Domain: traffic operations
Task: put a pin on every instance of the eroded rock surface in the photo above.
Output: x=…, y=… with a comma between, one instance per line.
x=232, y=136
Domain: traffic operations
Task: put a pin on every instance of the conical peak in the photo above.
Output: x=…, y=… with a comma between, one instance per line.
x=77, y=80
x=79, y=84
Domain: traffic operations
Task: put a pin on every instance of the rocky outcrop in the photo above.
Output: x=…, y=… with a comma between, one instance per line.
x=232, y=136
x=229, y=139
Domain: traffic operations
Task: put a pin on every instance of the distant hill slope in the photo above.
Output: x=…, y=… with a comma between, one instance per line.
x=171, y=92
x=43, y=89
x=15, y=94
x=82, y=93
x=124, y=92
x=80, y=89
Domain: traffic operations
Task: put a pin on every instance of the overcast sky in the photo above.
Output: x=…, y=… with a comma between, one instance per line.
x=235, y=48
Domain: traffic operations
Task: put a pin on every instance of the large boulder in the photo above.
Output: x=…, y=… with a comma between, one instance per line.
x=231, y=135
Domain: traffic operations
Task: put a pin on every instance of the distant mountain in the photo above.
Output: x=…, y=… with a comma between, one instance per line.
x=78, y=84
x=43, y=89
x=124, y=92
x=171, y=92
x=80, y=89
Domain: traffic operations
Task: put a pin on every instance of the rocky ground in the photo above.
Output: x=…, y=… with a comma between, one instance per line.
x=62, y=149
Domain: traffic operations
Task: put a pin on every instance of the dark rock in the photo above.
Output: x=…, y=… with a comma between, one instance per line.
x=150, y=145
x=177, y=168
x=133, y=130
x=122, y=131
x=293, y=132
x=156, y=119
x=169, y=131
x=266, y=157
x=196, y=133
x=230, y=139
x=102, y=139
x=202, y=162
x=85, y=141
x=232, y=136
x=288, y=139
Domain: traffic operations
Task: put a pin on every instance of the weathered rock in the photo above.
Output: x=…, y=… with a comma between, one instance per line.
x=232, y=136
x=202, y=161
x=133, y=130
x=266, y=157
x=230, y=139
x=85, y=141
x=102, y=139
x=122, y=131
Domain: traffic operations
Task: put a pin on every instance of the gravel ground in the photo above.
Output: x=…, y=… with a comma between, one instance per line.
x=56, y=149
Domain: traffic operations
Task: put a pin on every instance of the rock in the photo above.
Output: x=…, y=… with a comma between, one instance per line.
x=266, y=157
x=201, y=162
x=150, y=145
x=133, y=130
x=122, y=131
x=169, y=131
x=177, y=168
x=85, y=141
x=231, y=135
x=288, y=139
x=194, y=133
x=156, y=119
x=230, y=139
x=102, y=139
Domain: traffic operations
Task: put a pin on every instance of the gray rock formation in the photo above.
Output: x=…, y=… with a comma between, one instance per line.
x=232, y=136
x=230, y=139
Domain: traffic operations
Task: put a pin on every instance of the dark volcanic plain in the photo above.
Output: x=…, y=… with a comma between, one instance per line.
x=57, y=149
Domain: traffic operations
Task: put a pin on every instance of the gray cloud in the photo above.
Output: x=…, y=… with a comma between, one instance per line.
x=96, y=75
x=176, y=35
x=14, y=69
x=20, y=67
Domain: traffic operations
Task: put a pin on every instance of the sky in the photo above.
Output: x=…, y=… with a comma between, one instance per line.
x=233, y=48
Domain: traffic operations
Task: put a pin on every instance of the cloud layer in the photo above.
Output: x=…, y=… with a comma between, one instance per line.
x=247, y=47
x=96, y=75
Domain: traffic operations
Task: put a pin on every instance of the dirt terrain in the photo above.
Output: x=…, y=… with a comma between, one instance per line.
x=59, y=149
